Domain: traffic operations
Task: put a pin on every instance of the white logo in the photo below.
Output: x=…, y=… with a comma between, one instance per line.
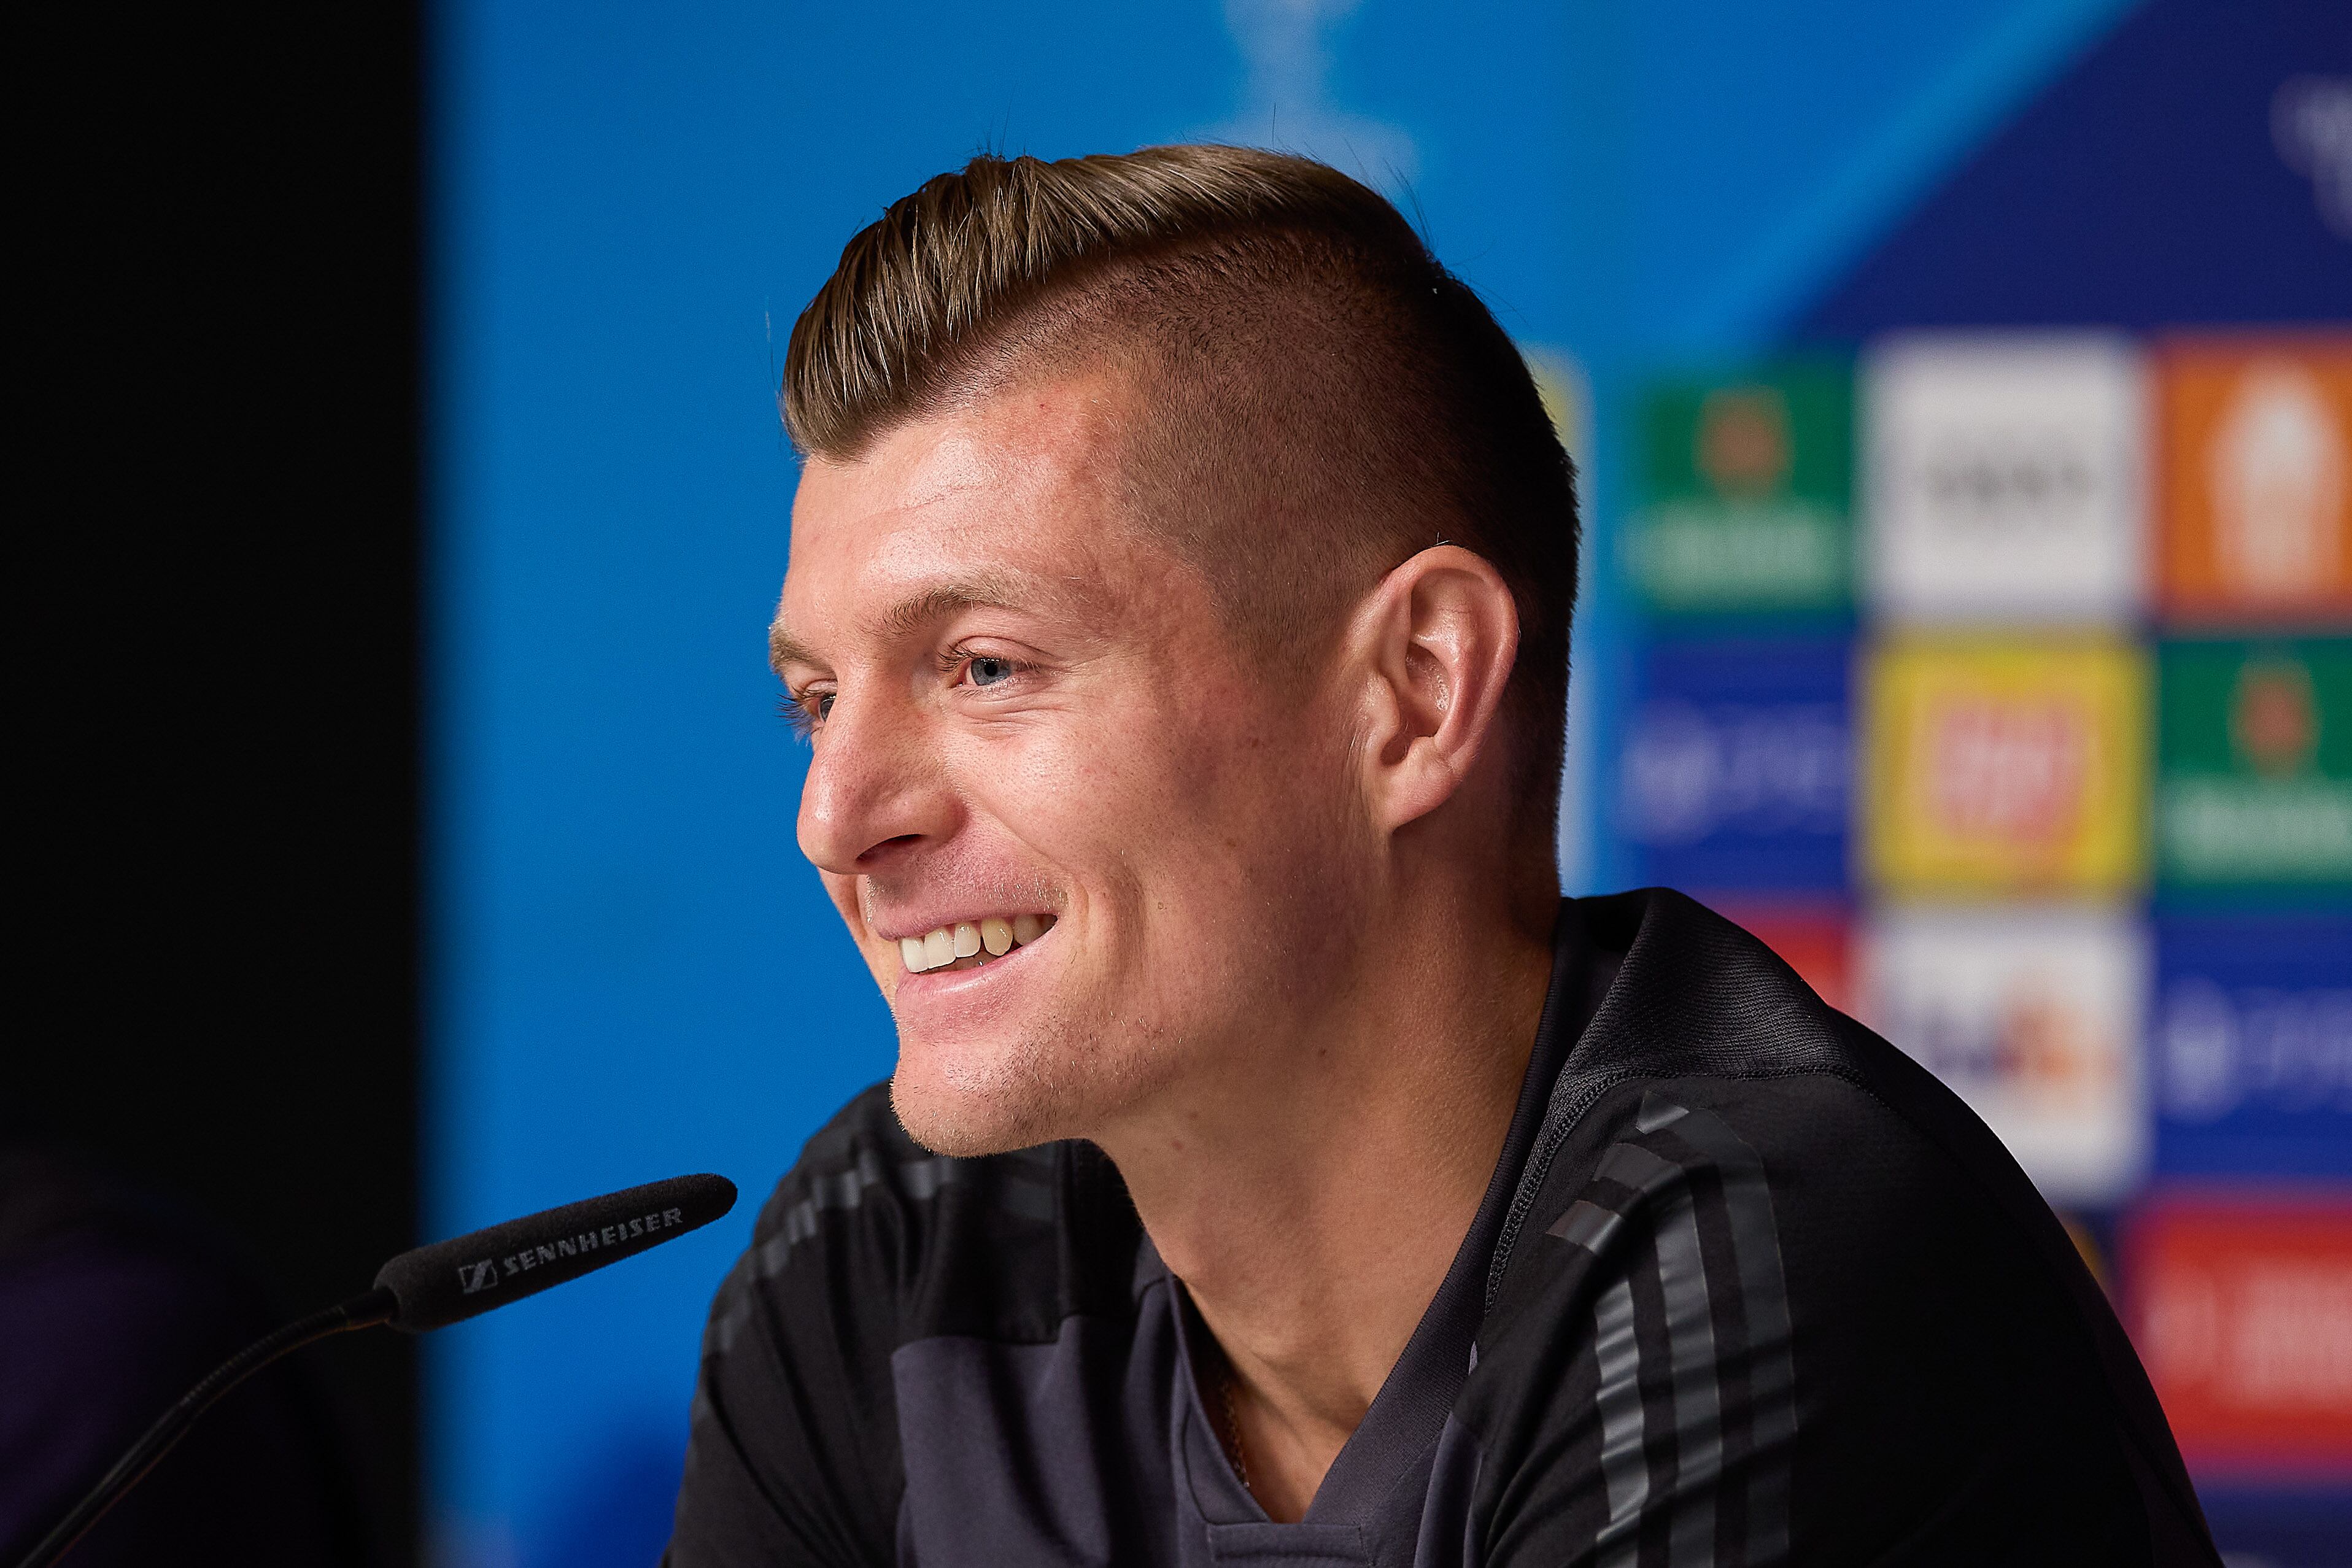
x=481, y=1276
x=2198, y=1049
x=2002, y=476
x=2277, y=469
x=1775, y=767
x=2311, y=123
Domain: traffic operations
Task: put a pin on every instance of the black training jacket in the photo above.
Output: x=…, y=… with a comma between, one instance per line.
x=1748, y=1286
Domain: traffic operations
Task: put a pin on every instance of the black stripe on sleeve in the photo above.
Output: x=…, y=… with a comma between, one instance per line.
x=1624, y=1446
x=1689, y=1483
x=1767, y=1351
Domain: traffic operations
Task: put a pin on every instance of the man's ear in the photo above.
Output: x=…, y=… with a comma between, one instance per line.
x=1435, y=643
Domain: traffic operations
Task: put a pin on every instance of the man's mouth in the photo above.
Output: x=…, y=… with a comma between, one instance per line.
x=968, y=944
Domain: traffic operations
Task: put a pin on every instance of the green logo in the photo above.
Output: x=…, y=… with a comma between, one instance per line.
x=2255, y=763
x=1747, y=492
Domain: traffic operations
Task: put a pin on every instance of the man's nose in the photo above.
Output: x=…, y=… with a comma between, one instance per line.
x=872, y=781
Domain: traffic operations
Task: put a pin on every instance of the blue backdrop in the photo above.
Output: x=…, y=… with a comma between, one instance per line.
x=634, y=973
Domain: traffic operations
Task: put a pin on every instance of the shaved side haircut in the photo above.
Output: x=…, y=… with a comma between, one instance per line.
x=1317, y=399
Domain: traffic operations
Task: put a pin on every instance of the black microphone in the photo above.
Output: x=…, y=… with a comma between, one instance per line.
x=431, y=1288
x=450, y=1281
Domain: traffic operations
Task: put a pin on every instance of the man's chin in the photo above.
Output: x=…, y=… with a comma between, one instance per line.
x=976, y=1096
x=989, y=1094
x=965, y=1122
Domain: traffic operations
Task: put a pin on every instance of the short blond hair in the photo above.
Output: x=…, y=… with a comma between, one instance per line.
x=1322, y=398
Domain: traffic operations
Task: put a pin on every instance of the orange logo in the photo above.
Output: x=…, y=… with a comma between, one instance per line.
x=2257, y=477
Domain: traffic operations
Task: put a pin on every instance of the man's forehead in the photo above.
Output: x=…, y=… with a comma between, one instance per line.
x=1009, y=502
x=1038, y=430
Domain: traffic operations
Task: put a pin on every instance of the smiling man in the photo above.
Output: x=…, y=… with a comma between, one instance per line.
x=1277, y=1170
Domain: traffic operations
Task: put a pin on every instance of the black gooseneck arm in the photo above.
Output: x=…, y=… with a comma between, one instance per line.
x=360, y=1311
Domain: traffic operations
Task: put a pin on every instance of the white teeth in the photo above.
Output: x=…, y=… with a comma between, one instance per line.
x=995, y=935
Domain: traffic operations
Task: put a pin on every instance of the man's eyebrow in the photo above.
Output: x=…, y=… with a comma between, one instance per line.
x=783, y=649
x=991, y=590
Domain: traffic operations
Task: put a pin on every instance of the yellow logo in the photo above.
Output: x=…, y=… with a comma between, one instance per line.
x=2005, y=766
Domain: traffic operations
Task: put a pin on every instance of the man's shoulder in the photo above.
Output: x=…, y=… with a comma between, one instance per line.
x=1747, y=1205
x=1704, y=1022
x=1699, y=1001
x=1716, y=1103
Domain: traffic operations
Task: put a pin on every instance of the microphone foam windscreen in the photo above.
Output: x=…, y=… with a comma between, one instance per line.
x=455, y=1280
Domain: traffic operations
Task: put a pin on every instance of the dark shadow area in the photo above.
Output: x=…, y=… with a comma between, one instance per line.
x=220, y=662
x=113, y=1304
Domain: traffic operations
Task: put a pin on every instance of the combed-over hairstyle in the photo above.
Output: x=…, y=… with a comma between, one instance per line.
x=1320, y=399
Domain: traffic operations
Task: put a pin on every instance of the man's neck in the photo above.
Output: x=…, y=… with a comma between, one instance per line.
x=1313, y=1203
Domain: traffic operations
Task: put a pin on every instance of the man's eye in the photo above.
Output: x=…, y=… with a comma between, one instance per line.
x=987, y=671
x=806, y=712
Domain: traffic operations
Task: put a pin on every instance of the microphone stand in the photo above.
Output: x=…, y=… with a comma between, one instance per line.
x=430, y=1288
x=360, y=1311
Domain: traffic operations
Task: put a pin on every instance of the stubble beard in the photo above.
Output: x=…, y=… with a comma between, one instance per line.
x=1056, y=1079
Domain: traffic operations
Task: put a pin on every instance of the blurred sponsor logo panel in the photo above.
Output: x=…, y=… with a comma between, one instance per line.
x=2005, y=478
x=1747, y=493
x=2255, y=477
x=2032, y=1016
x=2251, y=1045
x=1736, y=765
x=2254, y=765
x=2021, y=509
x=2004, y=765
x=2241, y=1306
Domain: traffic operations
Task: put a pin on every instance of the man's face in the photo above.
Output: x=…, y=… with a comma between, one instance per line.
x=1025, y=706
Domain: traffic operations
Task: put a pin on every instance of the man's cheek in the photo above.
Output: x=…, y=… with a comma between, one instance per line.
x=843, y=891
x=1132, y=777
